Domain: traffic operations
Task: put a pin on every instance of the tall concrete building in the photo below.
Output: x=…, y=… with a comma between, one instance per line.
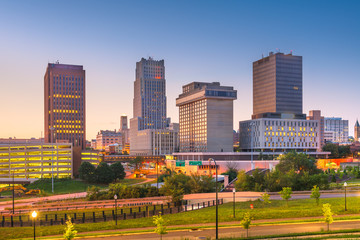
x=149, y=104
x=123, y=122
x=357, y=131
x=336, y=130
x=316, y=115
x=125, y=132
x=277, y=87
x=148, y=127
x=206, y=117
x=65, y=104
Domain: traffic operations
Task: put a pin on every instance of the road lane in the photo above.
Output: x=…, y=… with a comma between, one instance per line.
x=237, y=231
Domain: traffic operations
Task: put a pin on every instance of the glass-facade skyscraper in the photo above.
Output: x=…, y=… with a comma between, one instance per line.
x=277, y=87
x=65, y=104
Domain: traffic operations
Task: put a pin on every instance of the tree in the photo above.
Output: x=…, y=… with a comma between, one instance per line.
x=86, y=171
x=160, y=224
x=245, y=223
x=166, y=173
x=136, y=163
x=344, y=151
x=298, y=162
x=176, y=186
x=232, y=173
x=333, y=148
x=327, y=213
x=202, y=183
x=118, y=170
x=70, y=232
x=315, y=193
x=103, y=173
x=286, y=194
x=266, y=198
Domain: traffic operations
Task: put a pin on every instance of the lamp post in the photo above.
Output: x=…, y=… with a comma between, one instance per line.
x=157, y=173
x=216, y=189
x=52, y=158
x=115, y=197
x=252, y=124
x=345, y=185
x=34, y=214
x=234, y=191
x=13, y=193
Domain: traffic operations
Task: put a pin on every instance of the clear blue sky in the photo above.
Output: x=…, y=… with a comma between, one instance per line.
x=199, y=40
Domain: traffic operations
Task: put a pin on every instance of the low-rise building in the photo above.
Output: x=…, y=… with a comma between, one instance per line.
x=36, y=160
x=339, y=128
x=92, y=156
x=279, y=135
x=155, y=142
x=107, y=137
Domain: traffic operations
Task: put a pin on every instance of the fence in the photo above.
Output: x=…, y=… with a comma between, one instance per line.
x=103, y=216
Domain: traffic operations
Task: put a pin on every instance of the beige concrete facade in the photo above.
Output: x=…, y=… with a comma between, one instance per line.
x=206, y=117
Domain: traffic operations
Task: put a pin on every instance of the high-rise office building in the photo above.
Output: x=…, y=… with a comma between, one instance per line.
x=278, y=123
x=206, y=117
x=65, y=104
x=277, y=87
x=150, y=95
x=149, y=133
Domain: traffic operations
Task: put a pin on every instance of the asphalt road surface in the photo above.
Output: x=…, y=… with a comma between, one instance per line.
x=238, y=231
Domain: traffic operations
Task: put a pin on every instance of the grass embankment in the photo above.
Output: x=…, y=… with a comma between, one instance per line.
x=66, y=185
x=276, y=210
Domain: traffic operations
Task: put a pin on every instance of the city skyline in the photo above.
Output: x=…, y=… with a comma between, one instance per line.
x=209, y=49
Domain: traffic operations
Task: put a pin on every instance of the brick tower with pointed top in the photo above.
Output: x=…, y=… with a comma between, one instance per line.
x=357, y=131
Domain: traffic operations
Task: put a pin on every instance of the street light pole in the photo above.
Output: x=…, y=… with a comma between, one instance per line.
x=216, y=189
x=115, y=197
x=345, y=185
x=13, y=193
x=34, y=214
x=234, y=200
x=157, y=173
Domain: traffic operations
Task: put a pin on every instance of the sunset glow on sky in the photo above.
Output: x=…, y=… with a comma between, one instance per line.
x=199, y=41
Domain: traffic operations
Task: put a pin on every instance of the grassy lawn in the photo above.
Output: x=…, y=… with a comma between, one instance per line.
x=64, y=185
x=61, y=185
x=276, y=210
